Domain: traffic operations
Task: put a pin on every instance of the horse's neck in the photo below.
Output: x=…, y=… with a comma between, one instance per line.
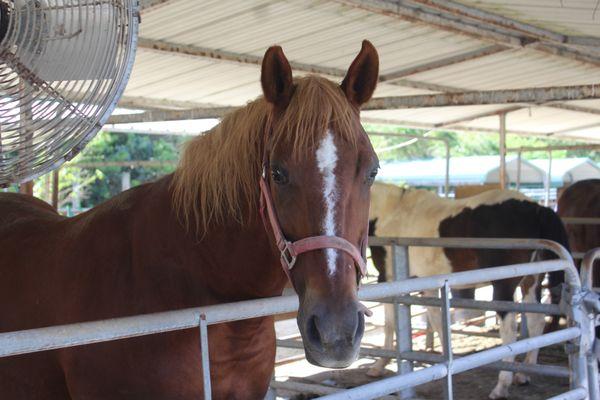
x=232, y=260
x=174, y=268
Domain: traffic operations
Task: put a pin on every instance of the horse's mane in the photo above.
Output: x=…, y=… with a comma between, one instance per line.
x=217, y=176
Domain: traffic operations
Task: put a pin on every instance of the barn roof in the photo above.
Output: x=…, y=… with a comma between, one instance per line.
x=198, y=55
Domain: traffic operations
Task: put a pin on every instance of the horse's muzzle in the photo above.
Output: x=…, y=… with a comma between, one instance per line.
x=332, y=336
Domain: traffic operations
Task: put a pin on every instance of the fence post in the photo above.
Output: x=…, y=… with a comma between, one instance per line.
x=592, y=308
x=402, y=319
x=205, y=358
x=572, y=299
x=447, y=339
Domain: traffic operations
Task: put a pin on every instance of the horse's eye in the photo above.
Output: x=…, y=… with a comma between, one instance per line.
x=279, y=175
x=372, y=176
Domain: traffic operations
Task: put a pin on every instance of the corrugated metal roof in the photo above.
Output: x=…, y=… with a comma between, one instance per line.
x=328, y=34
x=565, y=16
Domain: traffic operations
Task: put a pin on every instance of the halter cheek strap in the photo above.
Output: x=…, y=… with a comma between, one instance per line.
x=291, y=250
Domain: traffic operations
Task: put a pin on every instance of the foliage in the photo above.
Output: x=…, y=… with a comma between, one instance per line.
x=89, y=186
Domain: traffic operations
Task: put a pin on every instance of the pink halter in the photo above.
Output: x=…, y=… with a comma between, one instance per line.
x=291, y=250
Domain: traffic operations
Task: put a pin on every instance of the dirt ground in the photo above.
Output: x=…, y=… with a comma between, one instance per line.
x=470, y=385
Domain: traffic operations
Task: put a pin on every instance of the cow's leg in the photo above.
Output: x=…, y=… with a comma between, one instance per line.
x=535, y=325
x=504, y=290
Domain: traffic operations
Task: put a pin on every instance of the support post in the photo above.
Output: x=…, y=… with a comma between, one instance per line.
x=502, y=149
x=447, y=339
x=402, y=318
x=548, y=179
x=125, y=180
x=447, y=177
x=55, y=181
x=26, y=188
x=519, y=160
x=577, y=348
x=205, y=357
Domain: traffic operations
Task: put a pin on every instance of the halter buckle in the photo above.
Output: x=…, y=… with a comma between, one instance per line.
x=288, y=256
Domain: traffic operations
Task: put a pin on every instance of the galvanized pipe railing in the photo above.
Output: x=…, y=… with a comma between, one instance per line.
x=587, y=267
x=14, y=343
x=593, y=304
x=50, y=338
x=432, y=358
x=573, y=311
x=439, y=371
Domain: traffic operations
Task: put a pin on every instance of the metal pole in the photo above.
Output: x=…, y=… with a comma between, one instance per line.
x=587, y=273
x=548, y=179
x=577, y=347
x=519, y=160
x=447, y=339
x=402, y=318
x=55, y=180
x=502, y=149
x=205, y=357
x=447, y=177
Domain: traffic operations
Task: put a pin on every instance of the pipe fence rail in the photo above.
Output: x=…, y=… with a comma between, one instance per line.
x=578, y=304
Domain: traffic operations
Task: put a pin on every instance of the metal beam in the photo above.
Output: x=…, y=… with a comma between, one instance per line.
x=455, y=128
x=565, y=53
x=223, y=55
x=147, y=5
x=477, y=116
x=171, y=115
x=461, y=10
x=130, y=164
x=552, y=148
x=443, y=62
x=401, y=9
x=413, y=11
x=527, y=95
x=576, y=128
x=571, y=107
x=240, y=58
x=148, y=103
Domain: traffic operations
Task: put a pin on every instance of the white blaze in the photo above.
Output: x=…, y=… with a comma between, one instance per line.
x=326, y=161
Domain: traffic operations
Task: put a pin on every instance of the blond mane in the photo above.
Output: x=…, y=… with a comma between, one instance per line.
x=217, y=176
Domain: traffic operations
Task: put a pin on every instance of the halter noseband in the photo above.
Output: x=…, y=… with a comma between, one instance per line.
x=291, y=250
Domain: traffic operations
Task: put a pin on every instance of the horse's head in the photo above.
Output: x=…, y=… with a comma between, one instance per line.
x=319, y=169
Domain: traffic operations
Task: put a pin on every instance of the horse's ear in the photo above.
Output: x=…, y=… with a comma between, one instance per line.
x=276, y=77
x=361, y=79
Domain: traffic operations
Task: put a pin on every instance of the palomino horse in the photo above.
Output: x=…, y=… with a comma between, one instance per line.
x=495, y=213
x=582, y=200
x=195, y=238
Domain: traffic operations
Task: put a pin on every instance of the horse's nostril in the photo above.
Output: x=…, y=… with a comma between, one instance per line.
x=312, y=332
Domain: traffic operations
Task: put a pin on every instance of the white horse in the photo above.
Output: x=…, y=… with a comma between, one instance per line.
x=495, y=213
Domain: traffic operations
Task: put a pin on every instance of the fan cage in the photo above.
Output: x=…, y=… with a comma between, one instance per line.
x=64, y=64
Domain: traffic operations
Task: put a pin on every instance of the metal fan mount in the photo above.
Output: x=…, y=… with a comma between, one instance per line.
x=63, y=66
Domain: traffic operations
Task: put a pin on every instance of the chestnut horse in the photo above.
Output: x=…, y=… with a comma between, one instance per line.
x=196, y=238
x=495, y=213
x=582, y=200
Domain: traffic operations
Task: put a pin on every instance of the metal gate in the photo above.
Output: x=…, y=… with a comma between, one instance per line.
x=579, y=305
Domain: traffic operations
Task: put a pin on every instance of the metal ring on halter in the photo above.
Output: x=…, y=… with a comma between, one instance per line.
x=287, y=256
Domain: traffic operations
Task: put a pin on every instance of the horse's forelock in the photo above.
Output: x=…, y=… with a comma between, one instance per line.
x=217, y=176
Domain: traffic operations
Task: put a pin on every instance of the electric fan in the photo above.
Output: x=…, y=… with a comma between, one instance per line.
x=63, y=67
